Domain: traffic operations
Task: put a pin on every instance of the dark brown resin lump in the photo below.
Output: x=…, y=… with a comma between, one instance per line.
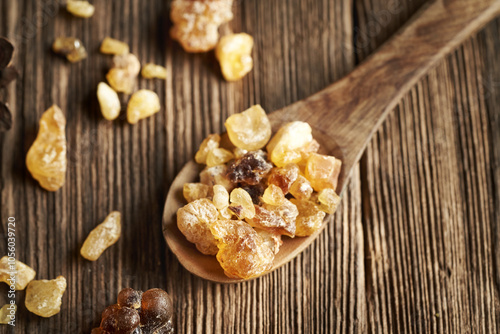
x=151, y=312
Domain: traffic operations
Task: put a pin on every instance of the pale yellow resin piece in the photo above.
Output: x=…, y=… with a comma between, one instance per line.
x=46, y=159
x=102, y=237
x=23, y=274
x=44, y=297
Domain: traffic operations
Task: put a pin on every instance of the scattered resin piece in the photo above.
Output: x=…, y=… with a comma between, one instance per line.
x=216, y=175
x=196, y=22
x=108, y=101
x=208, y=144
x=286, y=145
x=301, y=188
x=310, y=218
x=70, y=47
x=241, y=204
x=242, y=251
x=250, y=129
x=103, y=236
x=25, y=274
x=218, y=156
x=272, y=222
x=329, y=200
x=234, y=55
x=46, y=159
x=288, y=211
x=194, y=191
x=43, y=297
x=114, y=47
x=323, y=171
x=153, y=71
x=142, y=104
x=151, y=312
x=7, y=313
x=250, y=169
x=273, y=195
x=80, y=8
x=221, y=197
x=123, y=74
x=271, y=239
x=284, y=177
x=193, y=221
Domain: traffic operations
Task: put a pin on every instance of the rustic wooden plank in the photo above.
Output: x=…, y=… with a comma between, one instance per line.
x=114, y=166
x=430, y=221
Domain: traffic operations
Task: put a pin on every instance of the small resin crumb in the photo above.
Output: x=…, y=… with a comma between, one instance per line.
x=329, y=200
x=142, y=104
x=241, y=204
x=71, y=48
x=249, y=130
x=194, y=191
x=114, y=47
x=123, y=74
x=218, y=156
x=196, y=22
x=46, y=159
x=108, y=101
x=310, y=218
x=7, y=313
x=208, y=144
x=80, y=8
x=234, y=55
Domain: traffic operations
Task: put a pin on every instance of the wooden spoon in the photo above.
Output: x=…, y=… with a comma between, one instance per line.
x=345, y=115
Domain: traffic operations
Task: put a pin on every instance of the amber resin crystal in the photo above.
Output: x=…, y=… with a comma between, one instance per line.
x=44, y=297
x=102, y=237
x=46, y=159
x=234, y=55
x=70, y=47
x=25, y=273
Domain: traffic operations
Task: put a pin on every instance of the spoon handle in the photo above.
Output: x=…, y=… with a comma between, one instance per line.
x=350, y=110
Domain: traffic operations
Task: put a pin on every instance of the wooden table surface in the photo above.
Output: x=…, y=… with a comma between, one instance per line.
x=414, y=248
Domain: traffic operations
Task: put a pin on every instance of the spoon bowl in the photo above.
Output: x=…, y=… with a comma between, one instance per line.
x=206, y=266
x=345, y=115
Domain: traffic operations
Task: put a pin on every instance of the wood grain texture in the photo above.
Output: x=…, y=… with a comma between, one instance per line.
x=430, y=190
x=414, y=248
x=114, y=166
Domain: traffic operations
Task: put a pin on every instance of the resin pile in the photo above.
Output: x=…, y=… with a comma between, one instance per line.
x=256, y=189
